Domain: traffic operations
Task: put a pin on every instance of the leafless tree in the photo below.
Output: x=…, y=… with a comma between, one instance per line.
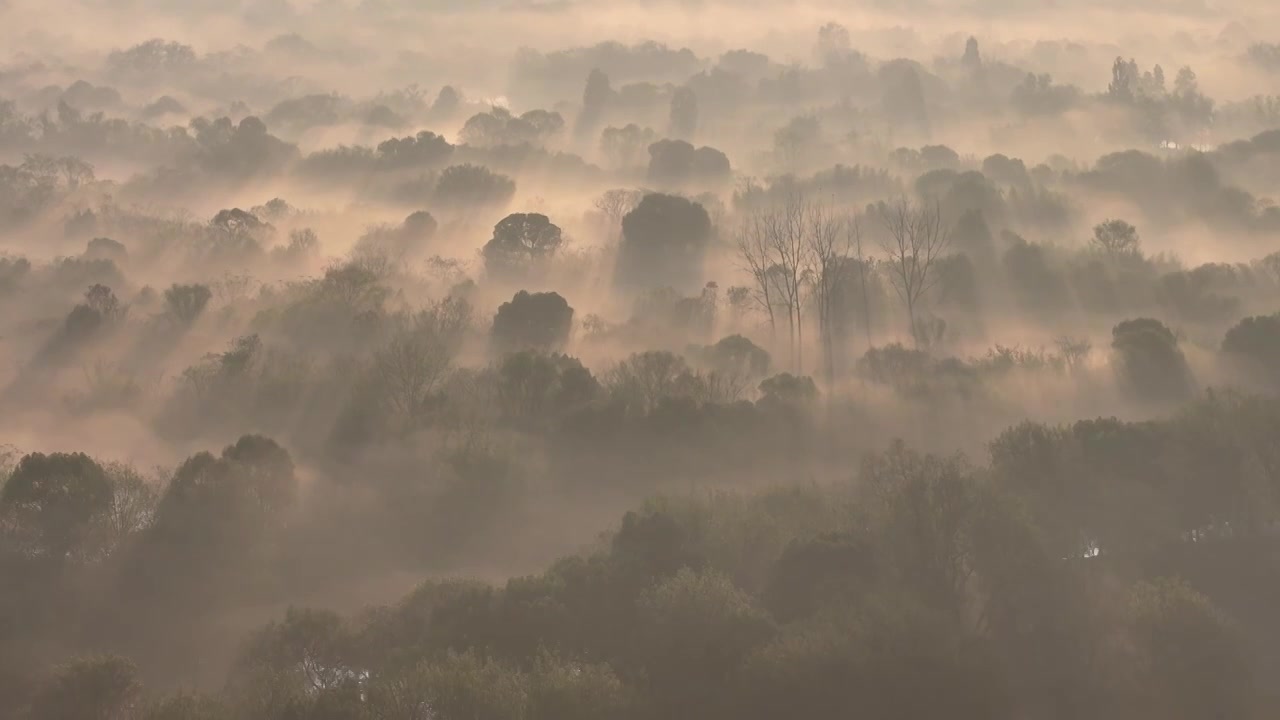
x=853, y=228
x=774, y=248
x=754, y=254
x=1073, y=351
x=614, y=205
x=916, y=238
x=413, y=364
x=828, y=250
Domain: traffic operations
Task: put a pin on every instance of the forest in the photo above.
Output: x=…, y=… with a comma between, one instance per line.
x=639, y=359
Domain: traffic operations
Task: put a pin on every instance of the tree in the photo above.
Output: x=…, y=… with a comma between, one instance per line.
x=540, y=321
x=830, y=241
x=520, y=240
x=927, y=505
x=473, y=185
x=788, y=391
x=623, y=146
x=1190, y=661
x=684, y=113
x=411, y=366
x=533, y=386
x=101, y=300
x=217, y=503
x=697, y=625
x=499, y=127
x=834, y=44
x=596, y=98
x=1117, y=238
x=644, y=379
x=903, y=97
x=238, y=223
x=1256, y=341
x=303, y=247
x=424, y=150
x=90, y=688
x=972, y=58
x=663, y=242
x=309, y=648
x=103, y=248
x=564, y=690
x=676, y=162
x=795, y=141
x=778, y=246
x=614, y=205
x=736, y=356
x=454, y=685
x=917, y=237
x=1124, y=80
x=133, y=505
x=55, y=498
x=185, y=303
x=447, y=102
x=1148, y=361
x=186, y=706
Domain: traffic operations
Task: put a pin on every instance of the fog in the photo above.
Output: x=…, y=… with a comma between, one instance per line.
x=562, y=359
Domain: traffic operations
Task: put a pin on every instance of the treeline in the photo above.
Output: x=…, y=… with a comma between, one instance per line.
x=1097, y=569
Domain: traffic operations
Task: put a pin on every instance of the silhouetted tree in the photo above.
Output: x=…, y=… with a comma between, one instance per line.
x=1117, y=238
x=539, y=321
x=54, y=499
x=90, y=688
x=519, y=241
x=473, y=185
x=596, y=99
x=1255, y=341
x=917, y=237
x=684, y=113
x=185, y=303
x=664, y=240
x=1149, y=362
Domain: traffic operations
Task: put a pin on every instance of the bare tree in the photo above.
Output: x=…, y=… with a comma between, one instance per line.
x=828, y=251
x=614, y=205
x=917, y=237
x=415, y=362
x=754, y=254
x=1073, y=351
x=410, y=366
x=791, y=253
x=774, y=249
x=854, y=230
